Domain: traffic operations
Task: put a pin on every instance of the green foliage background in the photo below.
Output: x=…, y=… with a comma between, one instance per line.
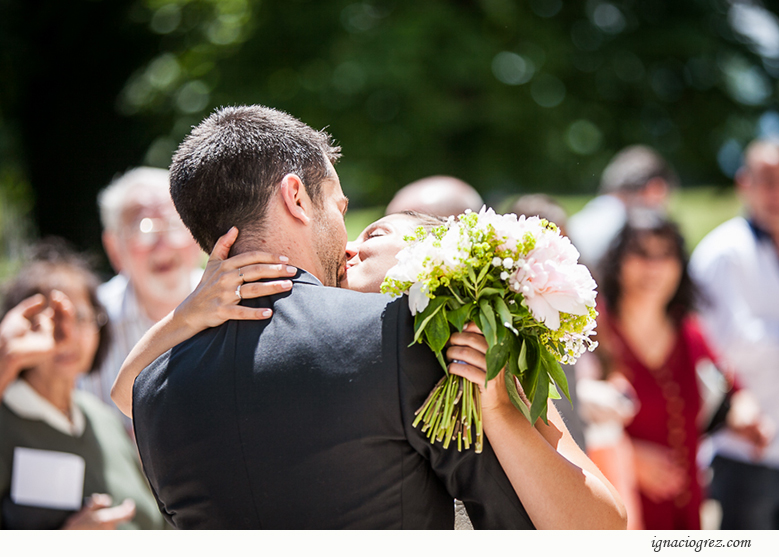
x=513, y=96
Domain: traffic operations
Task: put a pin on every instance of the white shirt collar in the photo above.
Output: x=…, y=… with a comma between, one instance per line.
x=25, y=402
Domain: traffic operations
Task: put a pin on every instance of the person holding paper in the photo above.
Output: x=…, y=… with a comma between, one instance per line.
x=65, y=461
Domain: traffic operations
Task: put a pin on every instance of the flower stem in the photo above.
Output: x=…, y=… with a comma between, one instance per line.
x=452, y=412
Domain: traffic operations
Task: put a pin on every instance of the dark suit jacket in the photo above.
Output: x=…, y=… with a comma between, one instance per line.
x=304, y=421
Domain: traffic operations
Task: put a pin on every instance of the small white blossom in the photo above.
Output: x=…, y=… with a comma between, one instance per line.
x=508, y=263
x=418, y=298
x=496, y=261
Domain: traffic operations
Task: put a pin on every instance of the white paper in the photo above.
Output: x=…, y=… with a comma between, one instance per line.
x=48, y=479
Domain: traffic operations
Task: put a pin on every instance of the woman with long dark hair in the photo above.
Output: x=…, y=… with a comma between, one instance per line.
x=649, y=335
x=53, y=438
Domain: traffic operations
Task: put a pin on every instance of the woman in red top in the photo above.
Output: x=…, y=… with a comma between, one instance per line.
x=649, y=336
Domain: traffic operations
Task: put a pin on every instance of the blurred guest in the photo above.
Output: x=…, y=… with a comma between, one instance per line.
x=53, y=438
x=649, y=337
x=543, y=206
x=635, y=176
x=441, y=196
x=738, y=266
x=156, y=260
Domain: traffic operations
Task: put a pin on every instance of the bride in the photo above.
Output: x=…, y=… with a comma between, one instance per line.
x=556, y=482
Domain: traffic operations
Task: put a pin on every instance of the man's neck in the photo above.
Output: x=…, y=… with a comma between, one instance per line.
x=286, y=245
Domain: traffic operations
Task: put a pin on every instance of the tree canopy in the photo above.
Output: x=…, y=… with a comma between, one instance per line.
x=512, y=96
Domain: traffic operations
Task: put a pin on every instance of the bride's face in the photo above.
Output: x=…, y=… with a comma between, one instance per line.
x=373, y=253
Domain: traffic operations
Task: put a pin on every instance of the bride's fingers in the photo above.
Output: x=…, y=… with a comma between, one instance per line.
x=467, y=355
x=469, y=372
x=252, y=273
x=260, y=289
x=242, y=313
x=473, y=340
x=222, y=247
x=251, y=258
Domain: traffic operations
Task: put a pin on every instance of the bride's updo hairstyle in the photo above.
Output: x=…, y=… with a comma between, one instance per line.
x=224, y=172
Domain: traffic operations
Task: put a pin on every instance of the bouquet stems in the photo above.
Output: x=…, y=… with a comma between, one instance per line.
x=452, y=412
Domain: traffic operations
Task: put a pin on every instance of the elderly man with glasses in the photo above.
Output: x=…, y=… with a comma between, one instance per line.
x=156, y=260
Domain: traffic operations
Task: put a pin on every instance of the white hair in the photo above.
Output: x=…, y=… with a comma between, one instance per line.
x=112, y=200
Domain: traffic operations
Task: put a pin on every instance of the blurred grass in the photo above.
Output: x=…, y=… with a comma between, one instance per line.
x=700, y=210
x=697, y=210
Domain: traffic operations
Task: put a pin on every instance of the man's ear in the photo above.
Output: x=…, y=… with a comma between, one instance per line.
x=295, y=198
x=112, y=249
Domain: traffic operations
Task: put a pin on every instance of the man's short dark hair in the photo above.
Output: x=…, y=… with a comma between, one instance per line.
x=631, y=168
x=225, y=171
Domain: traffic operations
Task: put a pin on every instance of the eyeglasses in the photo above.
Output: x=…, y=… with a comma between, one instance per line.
x=146, y=232
x=662, y=256
x=85, y=319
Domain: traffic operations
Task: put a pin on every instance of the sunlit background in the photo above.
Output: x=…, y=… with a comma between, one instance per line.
x=512, y=96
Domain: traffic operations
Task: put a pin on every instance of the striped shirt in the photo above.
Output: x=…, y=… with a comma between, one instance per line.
x=128, y=323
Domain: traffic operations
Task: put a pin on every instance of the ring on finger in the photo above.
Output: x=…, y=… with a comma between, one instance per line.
x=240, y=273
x=238, y=291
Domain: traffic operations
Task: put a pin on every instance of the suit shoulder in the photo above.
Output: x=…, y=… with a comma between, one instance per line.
x=346, y=306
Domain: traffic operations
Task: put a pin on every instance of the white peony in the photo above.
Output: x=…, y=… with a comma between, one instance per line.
x=551, y=281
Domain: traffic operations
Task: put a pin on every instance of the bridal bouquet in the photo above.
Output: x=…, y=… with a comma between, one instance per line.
x=519, y=280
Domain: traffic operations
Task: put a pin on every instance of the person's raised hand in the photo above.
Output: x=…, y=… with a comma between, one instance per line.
x=26, y=337
x=64, y=315
x=228, y=280
x=98, y=514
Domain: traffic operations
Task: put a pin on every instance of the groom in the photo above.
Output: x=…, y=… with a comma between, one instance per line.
x=303, y=420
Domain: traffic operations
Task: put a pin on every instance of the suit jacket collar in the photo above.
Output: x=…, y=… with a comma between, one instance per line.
x=306, y=277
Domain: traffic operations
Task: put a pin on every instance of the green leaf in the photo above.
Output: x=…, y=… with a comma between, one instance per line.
x=522, y=358
x=513, y=364
x=488, y=322
x=504, y=313
x=440, y=357
x=423, y=318
x=519, y=404
x=459, y=317
x=457, y=294
x=540, y=399
x=501, y=333
x=483, y=272
x=556, y=372
x=490, y=292
x=472, y=275
x=497, y=356
x=553, y=393
x=437, y=330
x=529, y=379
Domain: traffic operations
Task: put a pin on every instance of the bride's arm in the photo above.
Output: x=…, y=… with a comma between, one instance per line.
x=557, y=483
x=213, y=302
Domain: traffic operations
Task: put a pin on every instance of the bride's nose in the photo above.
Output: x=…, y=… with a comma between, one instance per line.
x=351, y=249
